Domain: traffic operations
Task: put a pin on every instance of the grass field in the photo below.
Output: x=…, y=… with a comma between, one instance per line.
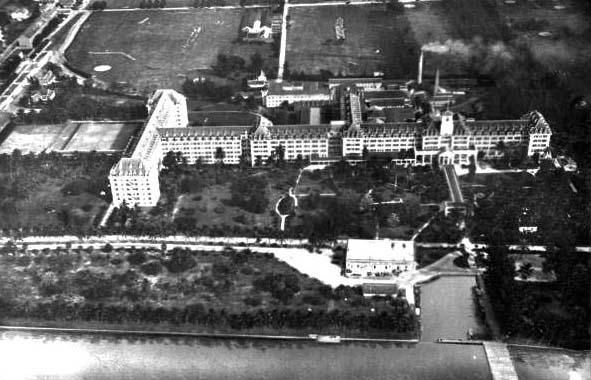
x=153, y=49
x=569, y=43
x=376, y=40
x=82, y=137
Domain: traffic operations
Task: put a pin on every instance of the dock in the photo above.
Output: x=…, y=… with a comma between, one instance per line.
x=499, y=361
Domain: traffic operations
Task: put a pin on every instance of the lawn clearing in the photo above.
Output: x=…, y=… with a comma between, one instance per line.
x=159, y=52
x=376, y=40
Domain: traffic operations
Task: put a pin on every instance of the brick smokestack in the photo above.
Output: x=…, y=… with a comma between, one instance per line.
x=420, y=75
x=436, y=85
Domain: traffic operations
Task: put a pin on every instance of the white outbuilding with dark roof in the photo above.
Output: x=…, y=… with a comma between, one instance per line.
x=372, y=258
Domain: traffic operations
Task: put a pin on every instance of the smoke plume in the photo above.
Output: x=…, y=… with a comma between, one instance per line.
x=483, y=57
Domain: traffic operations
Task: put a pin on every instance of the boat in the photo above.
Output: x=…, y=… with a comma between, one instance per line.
x=328, y=339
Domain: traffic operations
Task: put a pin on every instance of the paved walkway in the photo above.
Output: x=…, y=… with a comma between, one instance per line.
x=499, y=361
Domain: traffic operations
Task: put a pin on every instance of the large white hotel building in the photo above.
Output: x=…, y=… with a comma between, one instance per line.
x=445, y=139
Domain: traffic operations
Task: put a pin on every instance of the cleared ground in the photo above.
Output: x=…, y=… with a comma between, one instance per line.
x=82, y=137
x=101, y=136
x=158, y=49
x=376, y=40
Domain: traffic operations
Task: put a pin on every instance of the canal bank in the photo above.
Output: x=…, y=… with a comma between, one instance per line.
x=173, y=334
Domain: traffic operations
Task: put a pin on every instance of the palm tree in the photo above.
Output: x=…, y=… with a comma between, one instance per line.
x=220, y=154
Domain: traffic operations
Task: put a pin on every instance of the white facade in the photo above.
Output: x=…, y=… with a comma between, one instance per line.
x=202, y=143
x=135, y=183
x=368, y=258
x=294, y=92
x=168, y=109
x=387, y=137
x=304, y=140
x=134, y=179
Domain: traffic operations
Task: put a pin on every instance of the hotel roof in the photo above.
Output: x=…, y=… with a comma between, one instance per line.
x=297, y=88
x=130, y=166
x=384, y=129
x=300, y=131
x=380, y=250
x=213, y=131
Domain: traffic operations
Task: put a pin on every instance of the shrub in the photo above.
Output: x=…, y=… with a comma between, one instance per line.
x=252, y=301
x=136, y=257
x=152, y=268
x=281, y=286
x=108, y=248
x=219, y=210
x=179, y=261
x=313, y=299
x=75, y=187
x=197, y=198
x=116, y=261
x=462, y=261
x=246, y=270
x=23, y=261
x=87, y=207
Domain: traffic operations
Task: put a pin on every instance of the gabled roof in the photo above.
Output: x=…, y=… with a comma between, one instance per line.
x=300, y=131
x=130, y=166
x=221, y=131
x=384, y=129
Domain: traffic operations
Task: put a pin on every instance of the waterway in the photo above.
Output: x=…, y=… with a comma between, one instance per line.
x=68, y=356
x=448, y=309
x=447, y=312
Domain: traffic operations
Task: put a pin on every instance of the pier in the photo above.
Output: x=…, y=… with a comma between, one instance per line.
x=499, y=361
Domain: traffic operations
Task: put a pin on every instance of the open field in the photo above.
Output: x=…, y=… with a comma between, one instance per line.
x=158, y=52
x=569, y=42
x=376, y=40
x=101, y=136
x=82, y=137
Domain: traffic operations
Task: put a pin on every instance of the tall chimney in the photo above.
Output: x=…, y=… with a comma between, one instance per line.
x=420, y=75
x=436, y=85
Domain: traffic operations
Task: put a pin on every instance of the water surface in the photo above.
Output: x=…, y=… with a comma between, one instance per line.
x=57, y=356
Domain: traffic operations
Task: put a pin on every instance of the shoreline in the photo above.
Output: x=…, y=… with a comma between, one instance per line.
x=161, y=333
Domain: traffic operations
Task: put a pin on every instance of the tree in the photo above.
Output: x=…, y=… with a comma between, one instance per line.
x=280, y=154
x=258, y=161
x=250, y=193
x=256, y=62
x=220, y=155
x=365, y=153
x=179, y=261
